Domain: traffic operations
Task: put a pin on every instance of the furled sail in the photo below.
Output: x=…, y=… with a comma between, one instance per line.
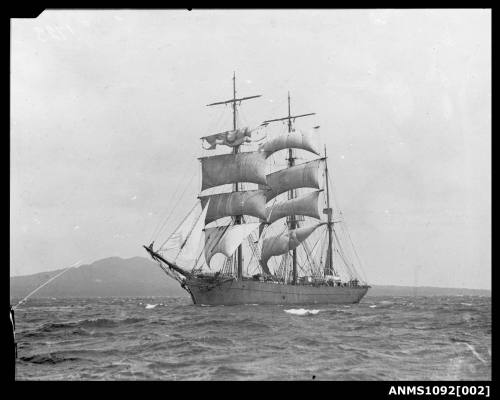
x=281, y=244
x=229, y=138
x=296, y=139
x=304, y=205
x=249, y=202
x=302, y=175
x=226, y=239
x=232, y=168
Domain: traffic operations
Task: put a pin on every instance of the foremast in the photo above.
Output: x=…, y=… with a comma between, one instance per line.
x=237, y=219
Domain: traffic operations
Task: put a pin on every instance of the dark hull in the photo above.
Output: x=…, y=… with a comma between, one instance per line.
x=257, y=292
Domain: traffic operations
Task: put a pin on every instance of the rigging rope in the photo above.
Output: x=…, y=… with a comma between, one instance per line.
x=222, y=112
x=314, y=266
x=340, y=251
x=169, y=272
x=177, y=227
x=346, y=230
x=282, y=269
x=46, y=283
x=344, y=227
x=175, y=206
x=158, y=229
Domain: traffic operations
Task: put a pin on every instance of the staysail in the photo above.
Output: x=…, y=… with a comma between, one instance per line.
x=281, y=244
x=187, y=239
x=302, y=175
x=194, y=243
x=304, y=205
x=295, y=139
x=233, y=168
x=179, y=236
x=247, y=202
x=226, y=239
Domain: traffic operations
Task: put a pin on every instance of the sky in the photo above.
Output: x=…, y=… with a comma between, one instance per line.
x=107, y=108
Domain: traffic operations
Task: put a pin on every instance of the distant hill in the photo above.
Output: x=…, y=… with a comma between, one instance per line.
x=138, y=276
x=109, y=277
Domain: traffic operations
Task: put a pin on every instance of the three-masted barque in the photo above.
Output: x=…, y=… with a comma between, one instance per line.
x=258, y=233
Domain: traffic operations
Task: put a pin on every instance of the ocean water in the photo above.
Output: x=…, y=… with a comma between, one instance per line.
x=391, y=338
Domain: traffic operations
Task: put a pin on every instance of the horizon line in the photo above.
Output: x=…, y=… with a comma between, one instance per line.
x=371, y=284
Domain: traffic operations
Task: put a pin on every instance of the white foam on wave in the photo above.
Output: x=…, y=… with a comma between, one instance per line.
x=301, y=311
x=373, y=306
x=149, y=306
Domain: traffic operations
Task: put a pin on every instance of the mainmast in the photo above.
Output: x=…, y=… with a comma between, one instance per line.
x=237, y=220
x=292, y=220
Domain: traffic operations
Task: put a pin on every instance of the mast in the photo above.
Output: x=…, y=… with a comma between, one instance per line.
x=328, y=211
x=234, y=109
x=237, y=220
x=292, y=221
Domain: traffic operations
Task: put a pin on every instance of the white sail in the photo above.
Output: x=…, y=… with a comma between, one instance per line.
x=281, y=244
x=302, y=175
x=232, y=168
x=296, y=139
x=192, y=246
x=307, y=205
x=226, y=239
x=248, y=202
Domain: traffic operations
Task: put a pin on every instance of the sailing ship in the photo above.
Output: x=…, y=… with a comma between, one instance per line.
x=259, y=233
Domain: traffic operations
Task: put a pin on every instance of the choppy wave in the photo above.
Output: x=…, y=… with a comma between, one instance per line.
x=74, y=326
x=402, y=338
x=48, y=359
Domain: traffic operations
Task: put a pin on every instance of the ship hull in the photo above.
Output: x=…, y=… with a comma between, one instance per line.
x=257, y=292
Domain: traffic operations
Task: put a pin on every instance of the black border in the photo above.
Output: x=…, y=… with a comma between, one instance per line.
x=335, y=389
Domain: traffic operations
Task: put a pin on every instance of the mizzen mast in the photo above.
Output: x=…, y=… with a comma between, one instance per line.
x=237, y=219
x=292, y=220
x=328, y=211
